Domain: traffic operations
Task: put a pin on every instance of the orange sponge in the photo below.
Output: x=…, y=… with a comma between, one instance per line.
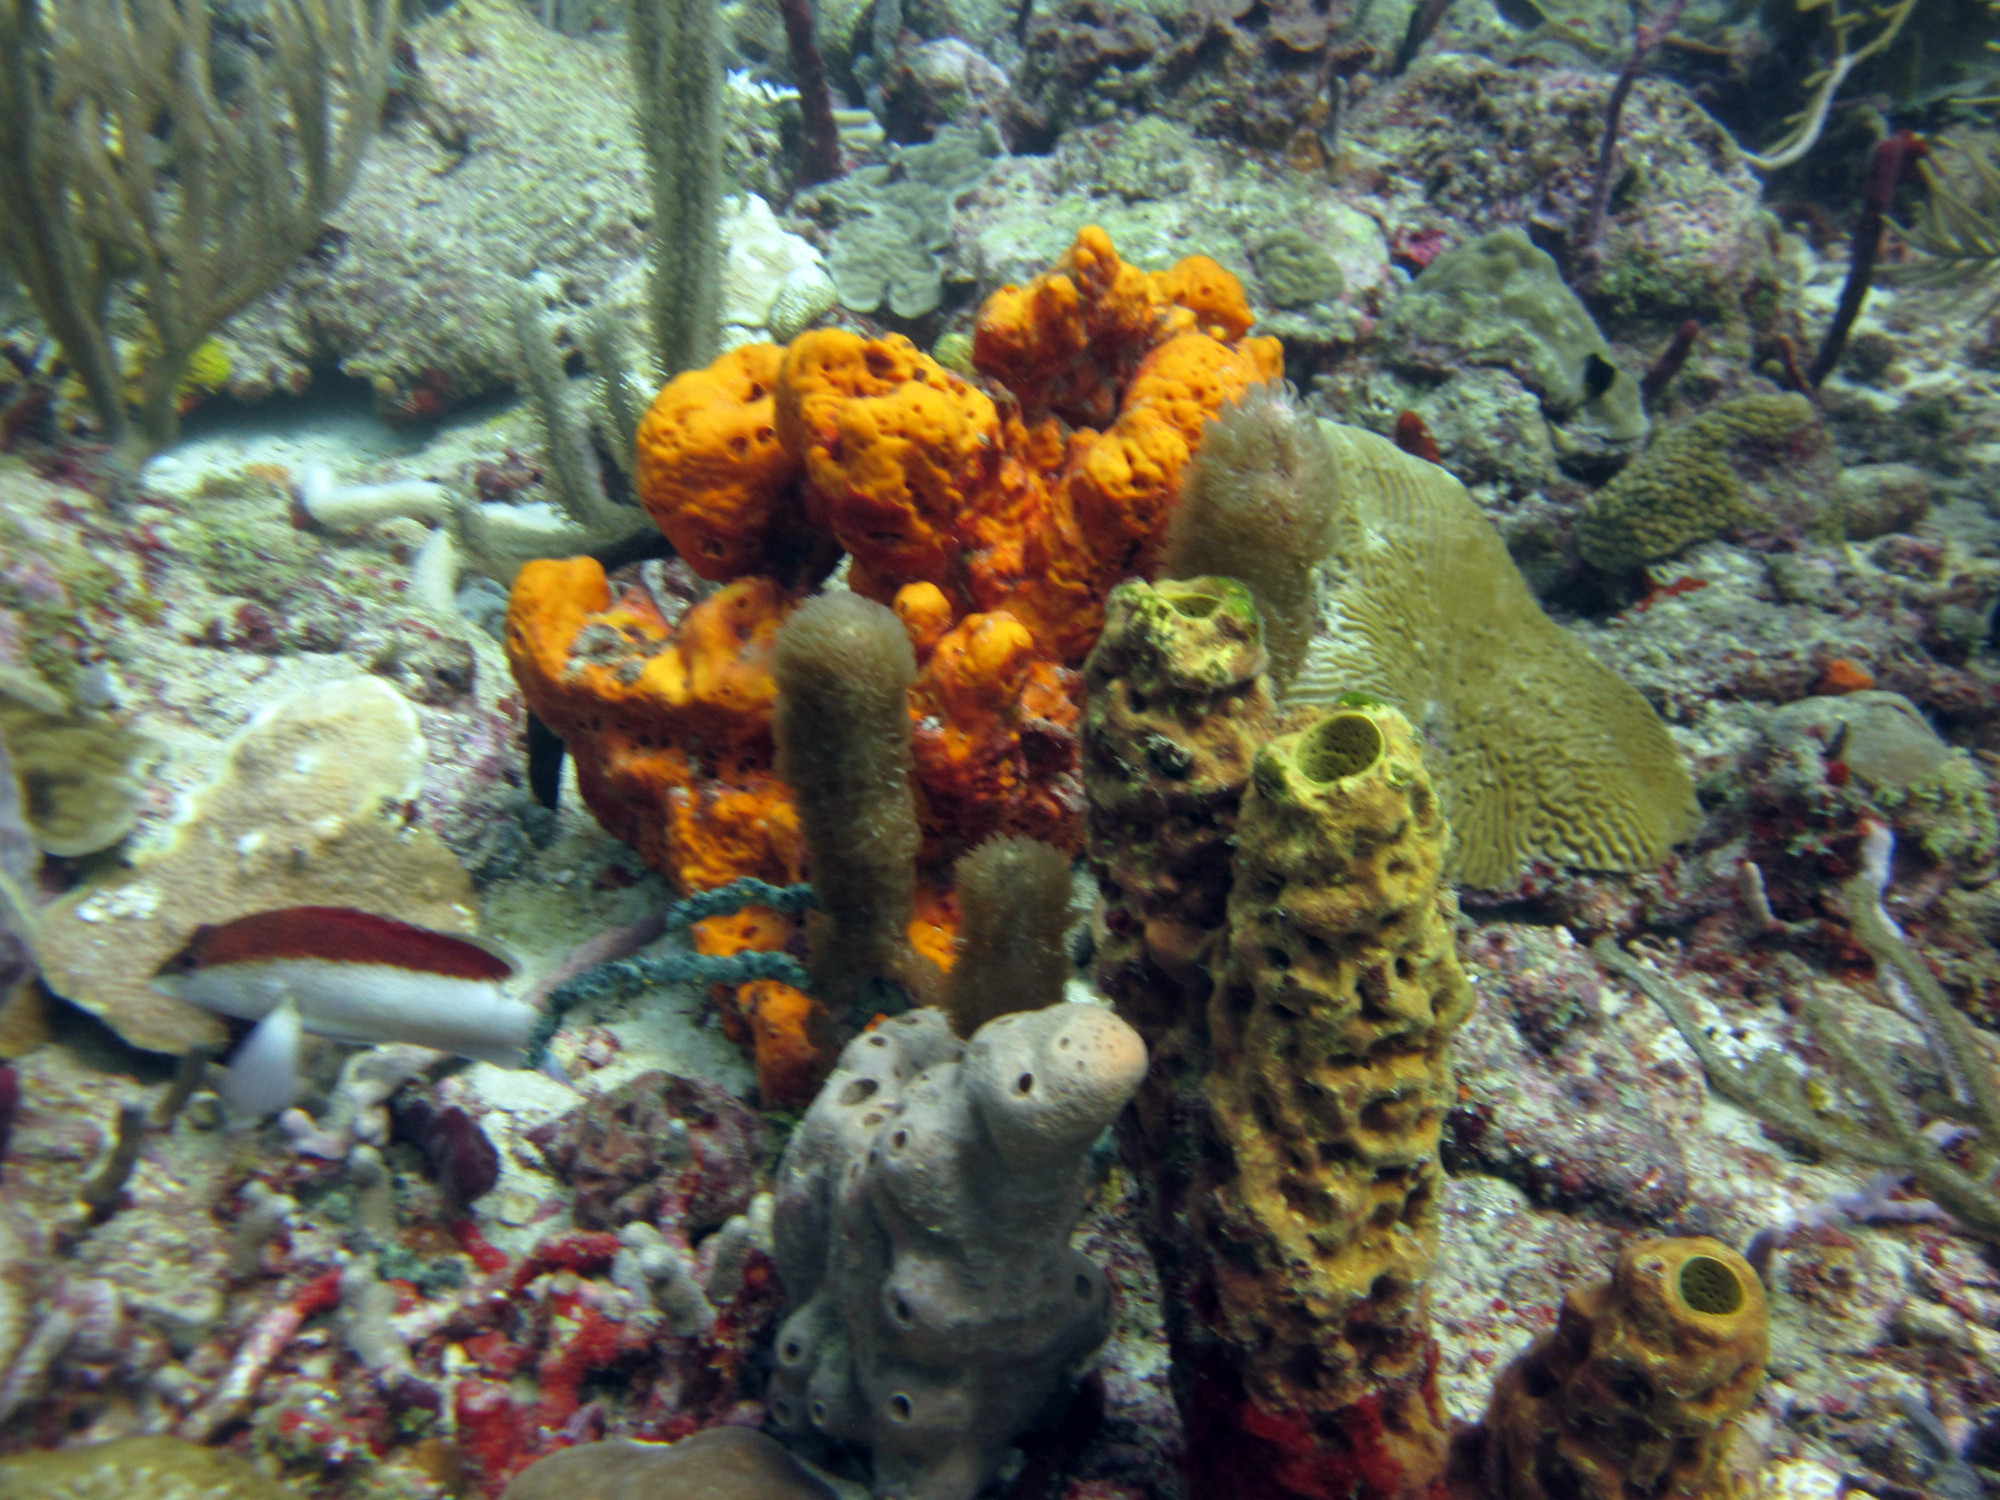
x=670, y=728
x=994, y=735
x=711, y=472
x=896, y=448
x=996, y=524
x=1213, y=295
x=925, y=613
x=1068, y=342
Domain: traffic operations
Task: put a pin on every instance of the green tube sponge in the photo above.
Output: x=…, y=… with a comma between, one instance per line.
x=843, y=666
x=1258, y=507
x=677, y=67
x=1013, y=896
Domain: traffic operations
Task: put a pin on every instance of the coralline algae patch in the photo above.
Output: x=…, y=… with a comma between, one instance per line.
x=330, y=1311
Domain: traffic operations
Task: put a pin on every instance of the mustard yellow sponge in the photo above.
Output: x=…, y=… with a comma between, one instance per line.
x=1682, y=490
x=1328, y=1082
x=1176, y=706
x=1638, y=1386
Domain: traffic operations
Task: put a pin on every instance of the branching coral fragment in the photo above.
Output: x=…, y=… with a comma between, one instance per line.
x=1958, y=229
x=1889, y=1134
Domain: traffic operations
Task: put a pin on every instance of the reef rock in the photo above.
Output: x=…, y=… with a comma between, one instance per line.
x=159, y=1468
x=307, y=812
x=723, y=1463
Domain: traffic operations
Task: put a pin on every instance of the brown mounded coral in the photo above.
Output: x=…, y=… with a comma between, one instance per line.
x=1683, y=489
x=1639, y=1385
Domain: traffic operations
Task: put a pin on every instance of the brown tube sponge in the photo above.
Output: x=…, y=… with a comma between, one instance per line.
x=1013, y=899
x=1258, y=507
x=843, y=665
x=1636, y=1390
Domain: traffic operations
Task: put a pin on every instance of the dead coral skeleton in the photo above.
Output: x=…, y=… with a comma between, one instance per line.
x=1889, y=1132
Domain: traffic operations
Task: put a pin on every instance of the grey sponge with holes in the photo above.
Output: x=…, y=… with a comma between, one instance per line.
x=925, y=1206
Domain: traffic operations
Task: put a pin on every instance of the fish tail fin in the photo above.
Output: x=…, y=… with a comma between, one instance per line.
x=263, y=1076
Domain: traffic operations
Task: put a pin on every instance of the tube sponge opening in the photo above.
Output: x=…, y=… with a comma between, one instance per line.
x=1013, y=896
x=1258, y=507
x=843, y=667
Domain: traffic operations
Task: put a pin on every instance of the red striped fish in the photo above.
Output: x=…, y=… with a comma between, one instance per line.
x=348, y=975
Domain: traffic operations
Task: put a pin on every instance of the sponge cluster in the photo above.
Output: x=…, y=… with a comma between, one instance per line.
x=925, y=1207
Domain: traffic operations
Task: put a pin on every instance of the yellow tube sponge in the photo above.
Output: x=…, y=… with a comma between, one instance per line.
x=1638, y=1386
x=1328, y=1080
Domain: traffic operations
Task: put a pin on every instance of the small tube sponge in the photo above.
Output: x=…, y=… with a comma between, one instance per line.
x=1258, y=507
x=924, y=1211
x=1636, y=1389
x=1013, y=896
x=844, y=667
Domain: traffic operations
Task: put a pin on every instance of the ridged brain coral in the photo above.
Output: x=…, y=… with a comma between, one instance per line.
x=1541, y=751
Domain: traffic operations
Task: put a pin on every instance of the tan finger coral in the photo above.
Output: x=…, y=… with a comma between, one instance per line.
x=1541, y=751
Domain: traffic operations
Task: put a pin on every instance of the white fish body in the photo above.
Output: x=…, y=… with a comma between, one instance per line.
x=349, y=976
x=369, y=1003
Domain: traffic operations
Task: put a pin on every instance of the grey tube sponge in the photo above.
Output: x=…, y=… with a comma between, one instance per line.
x=924, y=1211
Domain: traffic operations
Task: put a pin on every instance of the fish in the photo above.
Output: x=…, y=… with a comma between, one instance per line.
x=350, y=976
